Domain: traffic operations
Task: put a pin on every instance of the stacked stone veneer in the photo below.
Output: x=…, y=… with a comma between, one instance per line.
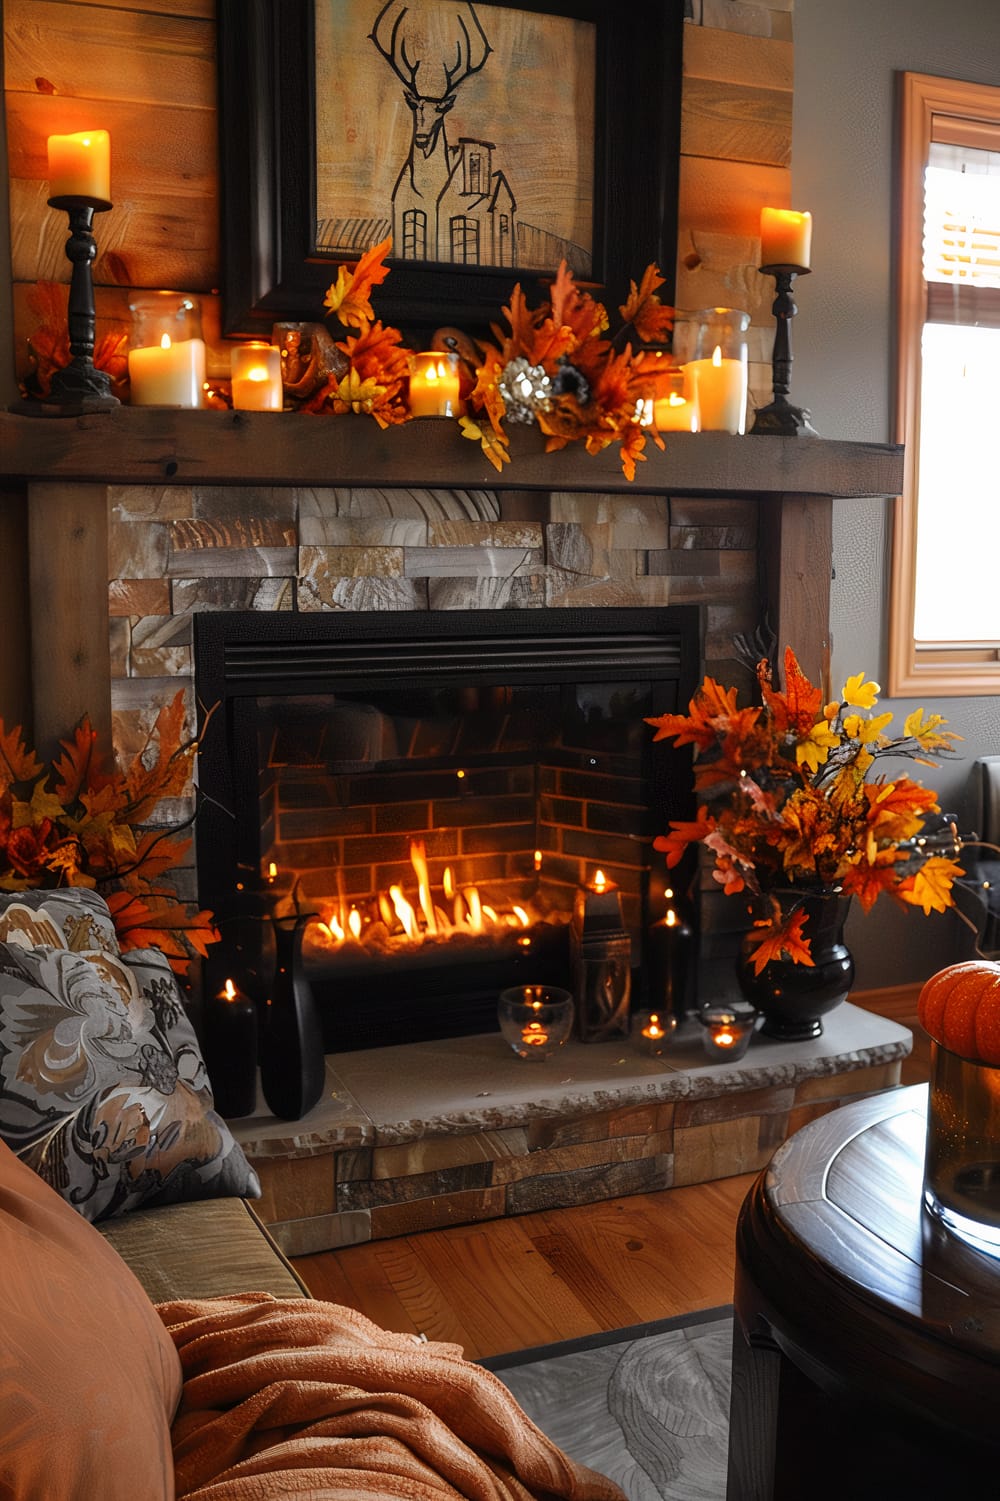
x=174, y=551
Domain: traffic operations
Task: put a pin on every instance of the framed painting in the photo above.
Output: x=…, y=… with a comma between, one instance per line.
x=488, y=141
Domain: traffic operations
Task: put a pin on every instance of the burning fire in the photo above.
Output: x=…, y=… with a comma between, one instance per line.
x=391, y=918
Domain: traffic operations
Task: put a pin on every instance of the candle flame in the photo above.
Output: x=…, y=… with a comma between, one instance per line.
x=671, y=918
x=600, y=882
x=534, y=1034
x=723, y=1039
x=717, y=356
x=165, y=341
x=538, y=859
x=229, y=991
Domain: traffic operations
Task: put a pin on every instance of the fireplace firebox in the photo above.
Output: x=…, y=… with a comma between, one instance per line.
x=431, y=791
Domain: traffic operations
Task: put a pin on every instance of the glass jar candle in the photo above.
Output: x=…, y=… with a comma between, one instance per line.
x=256, y=378
x=727, y=1031
x=718, y=368
x=962, y=1156
x=434, y=384
x=535, y=1019
x=166, y=360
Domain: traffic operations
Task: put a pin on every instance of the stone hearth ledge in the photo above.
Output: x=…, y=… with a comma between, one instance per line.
x=458, y=1085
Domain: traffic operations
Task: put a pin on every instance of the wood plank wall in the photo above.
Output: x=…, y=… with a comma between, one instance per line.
x=147, y=73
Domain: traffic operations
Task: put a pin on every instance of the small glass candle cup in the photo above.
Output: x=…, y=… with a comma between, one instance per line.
x=256, y=372
x=653, y=1032
x=962, y=1156
x=535, y=1019
x=434, y=384
x=727, y=1031
x=166, y=361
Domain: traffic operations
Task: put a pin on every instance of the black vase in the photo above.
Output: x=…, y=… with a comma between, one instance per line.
x=793, y=997
x=292, y=1065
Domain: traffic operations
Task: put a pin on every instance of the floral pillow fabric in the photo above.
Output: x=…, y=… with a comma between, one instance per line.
x=71, y=918
x=103, y=1089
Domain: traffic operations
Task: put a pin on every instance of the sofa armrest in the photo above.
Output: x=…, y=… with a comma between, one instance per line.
x=205, y=1249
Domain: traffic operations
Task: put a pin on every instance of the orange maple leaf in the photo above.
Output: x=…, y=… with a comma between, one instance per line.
x=651, y=319
x=798, y=708
x=17, y=762
x=349, y=296
x=156, y=923
x=774, y=940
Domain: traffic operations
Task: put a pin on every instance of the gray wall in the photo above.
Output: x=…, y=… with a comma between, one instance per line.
x=842, y=170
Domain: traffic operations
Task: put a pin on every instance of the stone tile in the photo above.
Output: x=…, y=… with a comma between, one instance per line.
x=682, y=562
x=845, y=1086
x=138, y=550
x=354, y=531
x=566, y=590
x=150, y=502
x=643, y=1119
x=434, y=1214
x=242, y=529
x=119, y=635
x=326, y=1232
x=232, y=504
x=520, y=593
x=350, y=1166
x=724, y=1107
x=193, y=595
x=232, y=562
x=295, y=1188
x=567, y=1161
x=350, y=562
x=423, y=505
x=372, y=1193
x=465, y=562
x=590, y=1185
x=322, y=593
x=138, y=597
x=433, y=1153
x=497, y=534
x=720, y=1149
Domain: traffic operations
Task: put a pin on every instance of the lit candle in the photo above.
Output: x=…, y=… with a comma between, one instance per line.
x=721, y=389
x=80, y=166
x=727, y=1032
x=256, y=371
x=676, y=414
x=231, y=1050
x=434, y=384
x=654, y=1032
x=534, y=1034
x=785, y=237
x=170, y=375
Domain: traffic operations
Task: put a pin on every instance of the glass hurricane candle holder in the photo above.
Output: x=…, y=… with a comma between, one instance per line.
x=726, y=1031
x=962, y=1157
x=166, y=361
x=535, y=1019
x=653, y=1032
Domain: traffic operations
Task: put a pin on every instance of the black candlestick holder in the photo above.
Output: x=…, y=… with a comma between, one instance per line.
x=780, y=416
x=80, y=386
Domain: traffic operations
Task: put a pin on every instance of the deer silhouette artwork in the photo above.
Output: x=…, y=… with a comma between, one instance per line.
x=448, y=204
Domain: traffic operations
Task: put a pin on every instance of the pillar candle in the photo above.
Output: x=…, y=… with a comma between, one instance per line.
x=433, y=384
x=171, y=375
x=785, y=237
x=256, y=386
x=721, y=387
x=676, y=414
x=80, y=166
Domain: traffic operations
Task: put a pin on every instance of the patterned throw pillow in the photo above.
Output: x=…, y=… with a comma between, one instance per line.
x=103, y=1088
x=72, y=918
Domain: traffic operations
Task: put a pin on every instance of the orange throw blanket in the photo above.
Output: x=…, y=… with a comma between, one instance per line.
x=296, y=1397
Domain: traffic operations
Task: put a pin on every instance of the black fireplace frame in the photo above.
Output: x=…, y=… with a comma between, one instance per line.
x=241, y=655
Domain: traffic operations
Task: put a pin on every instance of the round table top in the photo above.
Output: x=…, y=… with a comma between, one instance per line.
x=849, y=1187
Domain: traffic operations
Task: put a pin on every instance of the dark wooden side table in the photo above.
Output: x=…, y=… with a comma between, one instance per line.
x=866, y=1342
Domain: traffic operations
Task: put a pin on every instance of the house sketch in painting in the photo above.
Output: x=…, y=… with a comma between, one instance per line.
x=449, y=203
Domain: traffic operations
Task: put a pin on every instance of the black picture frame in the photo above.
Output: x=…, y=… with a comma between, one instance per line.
x=270, y=270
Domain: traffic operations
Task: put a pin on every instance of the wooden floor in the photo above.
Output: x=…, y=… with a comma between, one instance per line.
x=561, y=1274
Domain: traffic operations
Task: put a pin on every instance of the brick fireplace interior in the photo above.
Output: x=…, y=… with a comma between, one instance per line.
x=435, y=789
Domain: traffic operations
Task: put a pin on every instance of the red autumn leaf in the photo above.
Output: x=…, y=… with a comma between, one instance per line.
x=800, y=706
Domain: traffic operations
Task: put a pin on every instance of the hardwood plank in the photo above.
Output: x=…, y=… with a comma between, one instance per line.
x=727, y=197
x=56, y=48
x=205, y=9
x=357, y=1278
x=735, y=122
x=730, y=57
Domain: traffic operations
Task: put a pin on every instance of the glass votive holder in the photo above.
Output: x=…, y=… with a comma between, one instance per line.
x=434, y=384
x=256, y=373
x=726, y=1031
x=535, y=1019
x=653, y=1032
x=166, y=358
x=675, y=409
x=962, y=1155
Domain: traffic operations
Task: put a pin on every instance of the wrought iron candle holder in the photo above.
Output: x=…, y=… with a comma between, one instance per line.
x=780, y=416
x=80, y=386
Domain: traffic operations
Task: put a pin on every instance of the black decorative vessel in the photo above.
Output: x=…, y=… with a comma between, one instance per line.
x=292, y=1065
x=794, y=997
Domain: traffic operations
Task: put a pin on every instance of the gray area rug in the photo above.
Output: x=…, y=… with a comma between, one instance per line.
x=648, y=1406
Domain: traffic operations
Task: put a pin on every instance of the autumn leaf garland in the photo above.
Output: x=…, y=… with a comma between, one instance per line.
x=75, y=824
x=790, y=797
x=594, y=390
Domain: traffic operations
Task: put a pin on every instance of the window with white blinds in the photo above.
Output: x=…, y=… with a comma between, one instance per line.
x=944, y=626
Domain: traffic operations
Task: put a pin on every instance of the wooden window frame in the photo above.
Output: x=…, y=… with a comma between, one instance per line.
x=927, y=105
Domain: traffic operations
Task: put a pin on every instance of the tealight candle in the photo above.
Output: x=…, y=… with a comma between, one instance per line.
x=256, y=383
x=652, y=1032
x=727, y=1031
x=80, y=166
x=434, y=384
x=676, y=413
x=785, y=238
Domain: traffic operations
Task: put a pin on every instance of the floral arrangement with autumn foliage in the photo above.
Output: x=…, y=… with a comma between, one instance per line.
x=552, y=365
x=73, y=823
x=792, y=794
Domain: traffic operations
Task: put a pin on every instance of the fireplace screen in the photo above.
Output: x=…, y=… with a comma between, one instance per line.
x=433, y=795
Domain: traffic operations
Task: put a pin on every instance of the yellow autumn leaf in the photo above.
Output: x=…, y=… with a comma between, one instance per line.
x=814, y=749
x=932, y=885
x=859, y=694
x=494, y=445
x=926, y=731
x=865, y=730
x=356, y=395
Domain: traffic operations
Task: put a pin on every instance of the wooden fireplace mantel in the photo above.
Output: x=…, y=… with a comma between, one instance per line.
x=56, y=470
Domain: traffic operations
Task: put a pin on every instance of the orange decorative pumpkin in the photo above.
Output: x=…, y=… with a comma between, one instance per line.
x=960, y=1008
